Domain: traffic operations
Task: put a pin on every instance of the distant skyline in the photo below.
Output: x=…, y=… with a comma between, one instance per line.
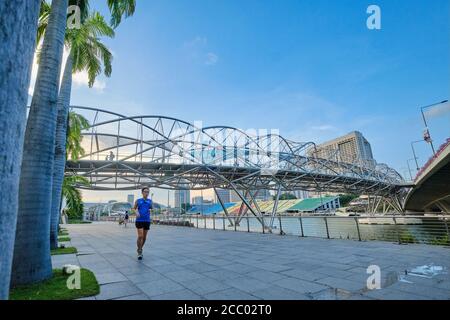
x=310, y=69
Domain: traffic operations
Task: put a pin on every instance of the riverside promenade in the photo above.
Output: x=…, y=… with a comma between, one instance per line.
x=183, y=263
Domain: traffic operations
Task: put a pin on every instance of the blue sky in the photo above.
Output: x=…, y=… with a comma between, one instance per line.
x=311, y=69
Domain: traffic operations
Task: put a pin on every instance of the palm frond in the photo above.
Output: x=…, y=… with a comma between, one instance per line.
x=119, y=9
x=76, y=125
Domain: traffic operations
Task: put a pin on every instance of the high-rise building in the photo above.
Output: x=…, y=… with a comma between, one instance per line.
x=197, y=200
x=263, y=195
x=182, y=197
x=130, y=199
x=350, y=148
x=224, y=194
x=234, y=197
x=301, y=194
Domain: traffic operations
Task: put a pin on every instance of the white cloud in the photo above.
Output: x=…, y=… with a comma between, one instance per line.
x=197, y=49
x=80, y=79
x=211, y=59
x=196, y=42
x=324, y=127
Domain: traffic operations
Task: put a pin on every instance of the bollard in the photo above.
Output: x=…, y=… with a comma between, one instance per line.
x=357, y=228
x=398, y=232
x=326, y=225
x=301, y=226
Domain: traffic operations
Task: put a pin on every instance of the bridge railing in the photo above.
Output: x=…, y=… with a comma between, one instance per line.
x=434, y=157
x=433, y=230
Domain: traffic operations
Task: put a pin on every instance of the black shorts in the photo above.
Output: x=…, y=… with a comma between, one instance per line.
x=143, y=225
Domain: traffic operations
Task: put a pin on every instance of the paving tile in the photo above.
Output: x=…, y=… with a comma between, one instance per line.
x=239, y=267
x=147, y=276
x=247, y=284
x=216, y=265
x=167, y=268
x=274, y=267
x=201, y=267
x=222, y=274
x=422, y=290
x=298, y=285
x=345, y=284
x=304, y=275
x=231, y=294
x=264, y=275
x=111, y=277
x=159, y=287
x=205, y=286
x=279, y=293
x=136, y=297
x=117, y=290
x=184, y=275
x=393, y=295
x=182, y=295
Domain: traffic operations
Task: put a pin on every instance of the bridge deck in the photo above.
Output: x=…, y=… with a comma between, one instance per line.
x=432, y=189
x=131, y=175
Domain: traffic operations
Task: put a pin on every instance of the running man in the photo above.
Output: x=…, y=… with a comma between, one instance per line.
x=143, y=220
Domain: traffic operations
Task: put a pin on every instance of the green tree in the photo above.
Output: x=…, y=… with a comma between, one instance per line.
x=86, y=53
x=286, y=196
x=345, y=199
x=31, y=261
x=73, y=195
x=77, y=123
x=18, y=24
x=120, y=8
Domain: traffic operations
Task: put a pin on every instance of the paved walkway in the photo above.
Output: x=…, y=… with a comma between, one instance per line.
x=190, y=264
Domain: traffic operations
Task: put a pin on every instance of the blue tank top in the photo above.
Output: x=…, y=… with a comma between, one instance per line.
x=144, y=206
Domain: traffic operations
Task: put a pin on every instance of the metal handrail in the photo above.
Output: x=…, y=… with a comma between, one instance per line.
x=394, y=228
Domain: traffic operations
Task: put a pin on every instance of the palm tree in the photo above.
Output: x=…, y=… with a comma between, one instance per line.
x=72, y=194
x=86, y=53
x=19, y=18
x=31, y=261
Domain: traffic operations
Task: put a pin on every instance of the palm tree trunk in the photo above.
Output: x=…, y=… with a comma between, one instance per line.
x=60, y=150
x=32, y=261
x=18, y=25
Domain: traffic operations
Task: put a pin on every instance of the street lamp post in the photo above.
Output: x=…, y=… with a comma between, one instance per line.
x=414, y=153
x=427, y=135
x=409, y=168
